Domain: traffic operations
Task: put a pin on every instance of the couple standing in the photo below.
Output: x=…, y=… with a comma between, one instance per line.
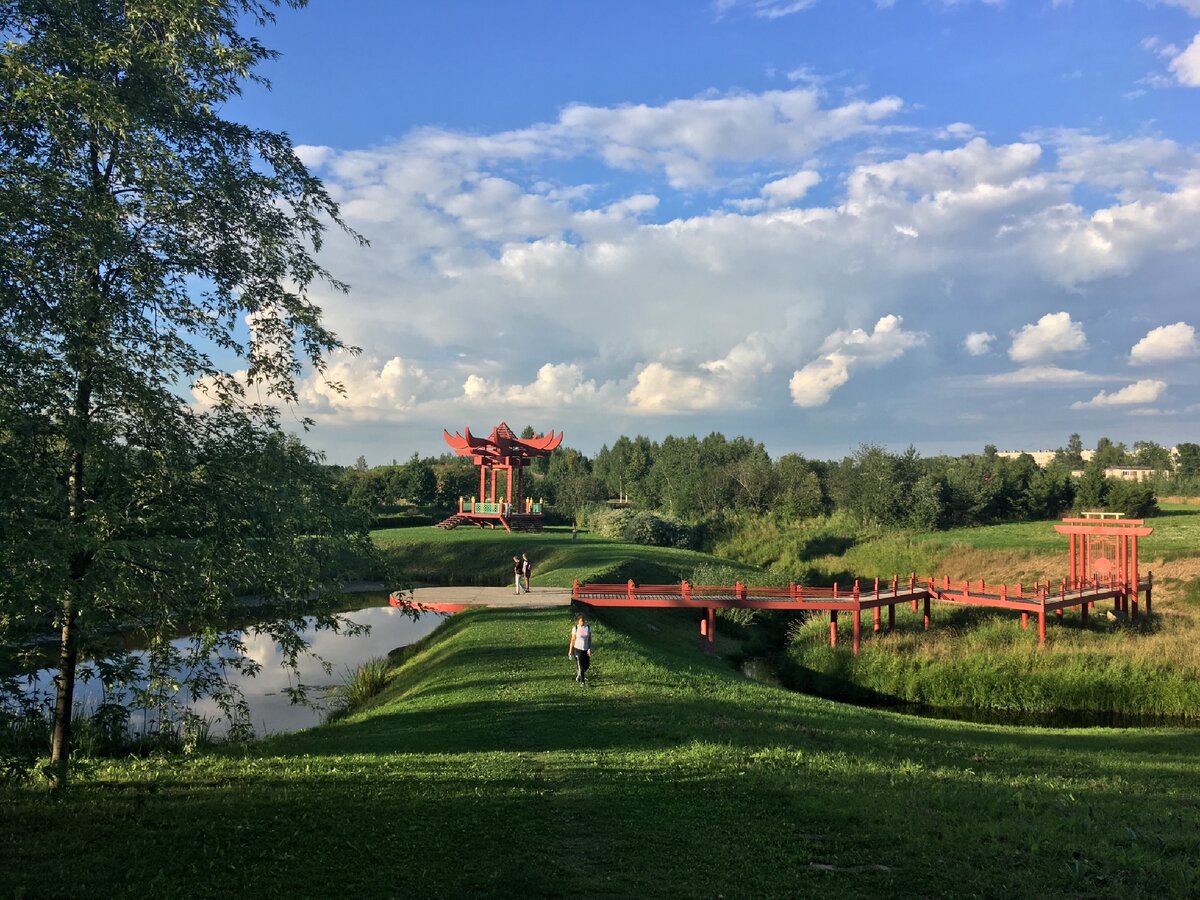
x=522, y=569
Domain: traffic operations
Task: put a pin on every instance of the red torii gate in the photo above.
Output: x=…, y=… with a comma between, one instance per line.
x=1104, y=548
x=501, y=451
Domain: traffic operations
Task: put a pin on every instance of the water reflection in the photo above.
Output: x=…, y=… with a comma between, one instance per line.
x=271, y=709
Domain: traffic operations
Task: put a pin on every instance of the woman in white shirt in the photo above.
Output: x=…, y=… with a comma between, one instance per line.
x=581, y=648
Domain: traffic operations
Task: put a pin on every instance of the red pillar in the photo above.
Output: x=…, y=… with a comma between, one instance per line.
x=712, y=627
x=1071, y=559
x=483, y=483
x=876, y=622
x=857, y=626
x=1024, y=621
x=926, y=612
x=1042, y=624
x=833, y=628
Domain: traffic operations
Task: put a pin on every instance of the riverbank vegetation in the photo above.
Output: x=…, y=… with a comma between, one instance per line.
x=484, y=769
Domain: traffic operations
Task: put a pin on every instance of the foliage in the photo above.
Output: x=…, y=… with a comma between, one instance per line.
x=639, y=527
x=140, y=235
x=359, y=688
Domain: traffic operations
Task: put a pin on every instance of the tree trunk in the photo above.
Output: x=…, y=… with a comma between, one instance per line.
x=64, y=683
x=80, y=560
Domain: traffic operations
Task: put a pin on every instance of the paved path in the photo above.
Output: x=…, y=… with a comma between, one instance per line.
x=537, y=598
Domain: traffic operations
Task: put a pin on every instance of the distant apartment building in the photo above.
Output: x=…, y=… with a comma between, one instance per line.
x=1042, y=457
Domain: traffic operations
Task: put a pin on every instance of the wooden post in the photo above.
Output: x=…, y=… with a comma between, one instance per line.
x=1083, y=614
x=833, y=628
x=891, y=616
x=712, y=627
x=685, y=590
x=1024, y=621
x=857, y=626
x=926, y=612
x=912, y=589
x=629, y=587
x=1149, y=589
x=575, y=590
x=1042, y=623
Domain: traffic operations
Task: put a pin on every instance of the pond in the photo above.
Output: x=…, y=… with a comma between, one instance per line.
x=271, y=709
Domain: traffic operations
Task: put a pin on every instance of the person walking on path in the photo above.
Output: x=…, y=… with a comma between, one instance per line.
x=580, y=647
x=517, y=571
x=526, y=570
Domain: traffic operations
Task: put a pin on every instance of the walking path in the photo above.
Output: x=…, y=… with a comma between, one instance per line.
x=501, y=597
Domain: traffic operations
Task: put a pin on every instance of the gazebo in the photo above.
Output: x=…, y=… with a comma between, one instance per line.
x=500, y=452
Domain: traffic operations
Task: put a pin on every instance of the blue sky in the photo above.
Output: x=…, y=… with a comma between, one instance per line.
x=815, y=223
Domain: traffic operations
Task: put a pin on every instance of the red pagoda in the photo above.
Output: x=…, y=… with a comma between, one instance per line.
x=500, y=452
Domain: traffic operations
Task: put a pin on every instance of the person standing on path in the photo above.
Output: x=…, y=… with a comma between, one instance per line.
x=517, y=570
x=580, y=647
x=526, y=570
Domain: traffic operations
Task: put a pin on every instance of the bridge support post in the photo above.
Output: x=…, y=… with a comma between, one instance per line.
x=1024, y=621
x=1042, y=624
x=712, y=627
x=1083, y=614
x=878, y=617
x=891, y=616
x=833, y=628
x=857, y=627
x=926, y=612
x=1149, y=589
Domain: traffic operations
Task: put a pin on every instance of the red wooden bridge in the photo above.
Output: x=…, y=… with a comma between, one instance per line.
x=1102, y=557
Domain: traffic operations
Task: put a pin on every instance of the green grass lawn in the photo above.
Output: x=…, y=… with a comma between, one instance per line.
x=479, y=556
x=485, y=770
x=1176, y=536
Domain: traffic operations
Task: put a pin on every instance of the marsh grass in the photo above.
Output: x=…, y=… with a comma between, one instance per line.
x=359, y=687
x=976, y=659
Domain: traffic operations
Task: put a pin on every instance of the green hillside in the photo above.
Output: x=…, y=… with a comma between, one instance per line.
x=485, y=770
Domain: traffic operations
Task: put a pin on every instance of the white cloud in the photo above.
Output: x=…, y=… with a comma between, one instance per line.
x=1192, y=7
x=688, y=138
x=785, y=190
x=664, y=387
x=1054, y=334
x=843, y=351
x=1186, y=65
x=765, y=9
x=1043, y=375
x=373, y=388
x=1140, y=392
x=555, y=385
x=979, y=343
x=1165, y=344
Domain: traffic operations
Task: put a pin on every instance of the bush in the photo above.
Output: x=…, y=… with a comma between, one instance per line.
x=640, y=527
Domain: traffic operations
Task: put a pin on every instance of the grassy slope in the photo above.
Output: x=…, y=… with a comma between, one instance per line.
x=484, y=557
x=484, y=769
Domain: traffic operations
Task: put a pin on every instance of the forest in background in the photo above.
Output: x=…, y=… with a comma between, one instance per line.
x=674, y=485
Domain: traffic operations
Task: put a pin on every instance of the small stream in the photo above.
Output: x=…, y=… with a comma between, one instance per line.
x=271, y=709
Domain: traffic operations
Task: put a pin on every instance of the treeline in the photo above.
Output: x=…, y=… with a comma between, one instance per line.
x=694, y=480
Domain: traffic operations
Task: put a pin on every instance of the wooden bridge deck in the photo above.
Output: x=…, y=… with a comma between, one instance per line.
x=709, y=598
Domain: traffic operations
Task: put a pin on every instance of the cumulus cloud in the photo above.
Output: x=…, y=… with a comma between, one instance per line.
x=663, y=387
x=485, y=245
x=555, y=385
x=1186, y=66
x=1165, y=344
x=979, y=343
x=686, y=139
x=370, y=387
x=1052, y=335
x=793, y=187
x=844, y=351
x=1139, y=393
